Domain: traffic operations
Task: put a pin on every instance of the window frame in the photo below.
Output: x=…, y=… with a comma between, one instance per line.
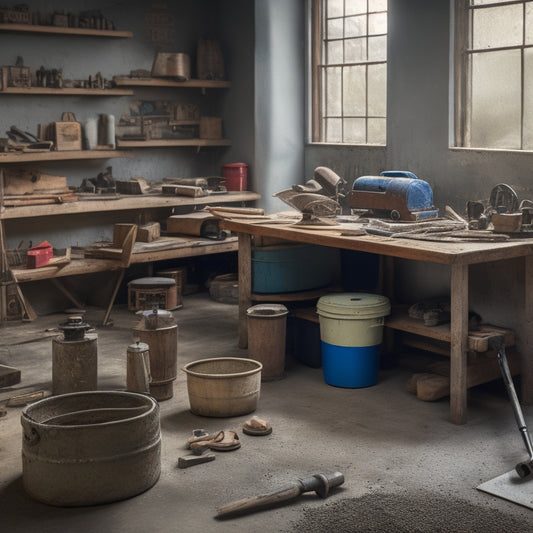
x=463, y=30
x=317, y=81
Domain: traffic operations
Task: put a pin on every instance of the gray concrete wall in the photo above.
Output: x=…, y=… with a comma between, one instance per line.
x=279, y=98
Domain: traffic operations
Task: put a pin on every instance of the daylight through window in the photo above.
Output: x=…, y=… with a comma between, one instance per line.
x=494, y=74
x=349, y=100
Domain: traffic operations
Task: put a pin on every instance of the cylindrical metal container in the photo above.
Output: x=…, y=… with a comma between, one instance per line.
x=138, y=368
x=159, y=330
x=91, y=447
x=267, y=332
x=223, y=386
x=74, y=358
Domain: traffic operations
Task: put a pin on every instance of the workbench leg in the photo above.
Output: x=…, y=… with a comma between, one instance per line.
x=459, y=343
x=120, y=277
x=245, y=285
x=526, y=361
x=66, y=292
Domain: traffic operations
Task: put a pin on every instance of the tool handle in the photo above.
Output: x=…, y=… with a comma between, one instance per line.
x=260, y=502
x=508, y=380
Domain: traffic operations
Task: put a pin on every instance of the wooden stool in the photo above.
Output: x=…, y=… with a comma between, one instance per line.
x=144, y=293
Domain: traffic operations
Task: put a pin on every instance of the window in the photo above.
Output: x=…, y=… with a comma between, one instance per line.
x=349, y=75
x=494, y=74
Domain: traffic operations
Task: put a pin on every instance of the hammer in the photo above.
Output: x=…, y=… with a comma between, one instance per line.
x=524, y=468
x=320, y=483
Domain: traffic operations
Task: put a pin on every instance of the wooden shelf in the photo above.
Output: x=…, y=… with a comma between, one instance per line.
x=67, y=91
x=126, y=81
x=184, y=247
x=122, y=203
x=161, y=143
x=65, y=155
x=58, y=30
x=478, y=340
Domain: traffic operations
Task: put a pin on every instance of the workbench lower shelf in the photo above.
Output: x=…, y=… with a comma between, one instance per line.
x=478, y=339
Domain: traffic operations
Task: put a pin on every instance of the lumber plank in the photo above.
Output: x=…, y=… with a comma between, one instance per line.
x=431, y=386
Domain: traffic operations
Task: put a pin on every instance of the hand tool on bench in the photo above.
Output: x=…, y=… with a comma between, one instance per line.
x=320, y=483
x=524, y=468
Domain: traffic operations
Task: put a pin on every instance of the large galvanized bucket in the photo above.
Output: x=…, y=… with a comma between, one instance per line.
x=90, y=447
x=223, y=386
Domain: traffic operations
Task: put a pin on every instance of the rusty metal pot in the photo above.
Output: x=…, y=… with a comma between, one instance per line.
x=90, y=448
x=172, y=65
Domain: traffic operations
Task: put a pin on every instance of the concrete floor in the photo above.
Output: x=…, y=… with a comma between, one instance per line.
x=382, y=438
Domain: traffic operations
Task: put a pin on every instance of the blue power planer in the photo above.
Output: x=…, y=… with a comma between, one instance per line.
x=395, y=194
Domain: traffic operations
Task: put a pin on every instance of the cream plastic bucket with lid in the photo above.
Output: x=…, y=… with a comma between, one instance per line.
x=351, y=331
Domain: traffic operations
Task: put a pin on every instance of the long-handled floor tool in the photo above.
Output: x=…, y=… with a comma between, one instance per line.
x=517, y=485
x=524, y=468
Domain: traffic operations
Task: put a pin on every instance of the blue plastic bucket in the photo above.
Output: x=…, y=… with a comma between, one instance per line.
x=351, y=331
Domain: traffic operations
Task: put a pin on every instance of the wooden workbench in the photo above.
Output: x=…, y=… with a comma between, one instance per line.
x=458, y=255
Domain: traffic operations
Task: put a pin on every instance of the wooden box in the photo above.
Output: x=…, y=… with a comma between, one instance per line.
x=210, y=128
x=15, y=16
x=148, y=232
x=67, y=135
x=16, y=76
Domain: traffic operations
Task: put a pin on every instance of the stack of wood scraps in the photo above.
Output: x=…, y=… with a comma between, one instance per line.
x=26, y=186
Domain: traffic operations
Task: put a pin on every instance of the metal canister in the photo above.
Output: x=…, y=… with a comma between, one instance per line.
x=74, y=358
x=159, y=330
x=138, y=368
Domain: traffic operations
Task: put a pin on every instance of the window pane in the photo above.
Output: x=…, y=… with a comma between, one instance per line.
x=334, y=8
x=377, y=48
x=354, y=91
x=377, y=23
x=497, y=26
x=495, y=94
x=529, y=23
x=528, y=100
x=335, y=55
x=333, y=92
x=377, y=90
x=355, y=50
x=355, y=7
x=377, y=5
x=377, y=131
x=355, y=130
x=355, y=26
x=335, y=28
x=333, y=130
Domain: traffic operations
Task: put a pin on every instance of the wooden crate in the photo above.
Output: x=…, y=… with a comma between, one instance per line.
x=210, y=128
x=67, y=136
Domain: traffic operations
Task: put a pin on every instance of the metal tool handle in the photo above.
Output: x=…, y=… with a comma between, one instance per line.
x=260, y=502
x=508, y=380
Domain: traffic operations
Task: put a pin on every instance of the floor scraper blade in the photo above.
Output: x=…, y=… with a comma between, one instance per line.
x=511, y=487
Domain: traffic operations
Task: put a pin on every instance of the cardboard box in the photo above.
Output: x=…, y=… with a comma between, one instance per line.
x=67, y=135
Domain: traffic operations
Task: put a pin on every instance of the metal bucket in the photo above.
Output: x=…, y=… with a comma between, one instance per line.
x=90, y=448
x=223, y=386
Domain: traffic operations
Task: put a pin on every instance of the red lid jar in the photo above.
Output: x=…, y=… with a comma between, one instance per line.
x=236, y=175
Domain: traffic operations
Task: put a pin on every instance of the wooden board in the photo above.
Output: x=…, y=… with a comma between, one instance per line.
x=478, y=340
x=21, y=180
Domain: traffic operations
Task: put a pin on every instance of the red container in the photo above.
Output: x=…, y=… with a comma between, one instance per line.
x=236, y=175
